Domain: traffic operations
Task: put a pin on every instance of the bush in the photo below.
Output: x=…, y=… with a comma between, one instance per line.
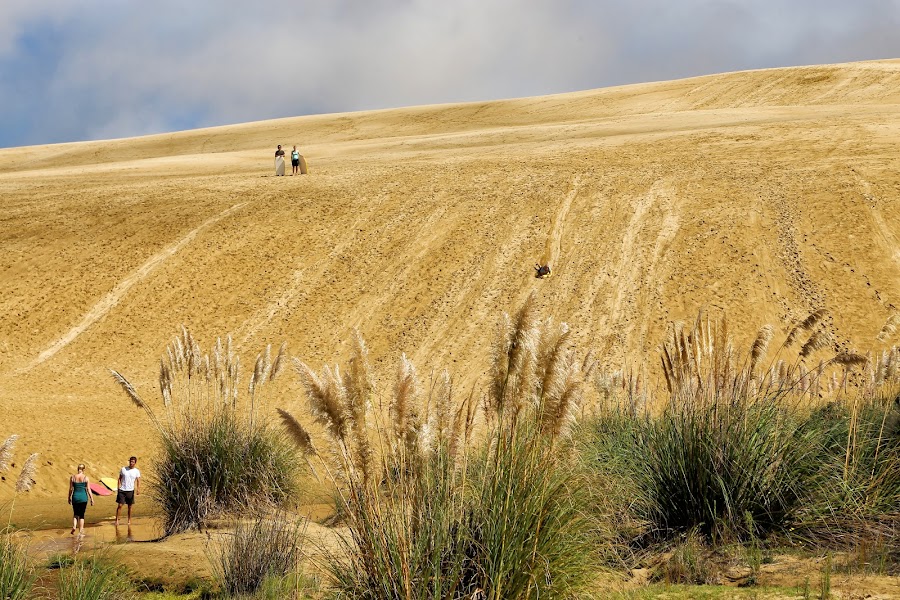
x=735, y=450
x=257, y=555
x=528, y=530
x=219, y=455
x=221, y=465
x=857, y=472
x=709, y=467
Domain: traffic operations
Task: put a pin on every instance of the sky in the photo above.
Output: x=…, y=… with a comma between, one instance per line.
x=73, y=70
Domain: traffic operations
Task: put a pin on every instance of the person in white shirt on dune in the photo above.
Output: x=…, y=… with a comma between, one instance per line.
x=129, y=487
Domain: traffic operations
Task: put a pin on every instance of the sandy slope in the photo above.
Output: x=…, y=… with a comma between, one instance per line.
x=763, y=194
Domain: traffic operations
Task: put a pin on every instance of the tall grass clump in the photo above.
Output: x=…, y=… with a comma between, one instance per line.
x=257, y=553
x=95, y=578
x=746, y=445
x=436, y=510
x=857, y=497
x=220, y=453
x=721, y=456
x=16, y=574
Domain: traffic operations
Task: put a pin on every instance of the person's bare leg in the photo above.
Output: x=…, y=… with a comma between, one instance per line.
x=129, y=514
x=118, y=508
x=74, y=523
x=80, y=526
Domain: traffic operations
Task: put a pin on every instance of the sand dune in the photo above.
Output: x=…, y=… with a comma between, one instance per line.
x=763, y=194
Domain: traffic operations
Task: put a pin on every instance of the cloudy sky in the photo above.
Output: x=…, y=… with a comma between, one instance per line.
x=96, y=69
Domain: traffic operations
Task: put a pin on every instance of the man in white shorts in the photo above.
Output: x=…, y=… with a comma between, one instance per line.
x=129, y=487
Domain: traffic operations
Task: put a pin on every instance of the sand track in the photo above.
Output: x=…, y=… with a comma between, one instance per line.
x=111, y=299
x=551, y=253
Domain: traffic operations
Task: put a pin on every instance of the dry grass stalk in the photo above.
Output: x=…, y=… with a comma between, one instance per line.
x=554, y=360
x=267, y=364
x=257, y=374
x=326, y=405
x=6, y=449
x=217, y=357
x=298, y=433
x=129, y=390
x=278, y=365
x=556, y=421
x=403, y=409
x=892, y=365
x=358, y=388
x=808, y=325
x=850, y=360
x=26, y=478
x=513, y=365
x=890, y=328
x=165, y=382
x=441, y=396
x=818, y=340
x=359, y=382
x=462, y=426
x=760, y=347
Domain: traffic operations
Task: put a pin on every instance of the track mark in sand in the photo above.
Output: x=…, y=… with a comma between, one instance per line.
x=551, y=252
x=264, y=317
x=890, y=239
x=636, y=274
x=285, y=301
x=99, y=310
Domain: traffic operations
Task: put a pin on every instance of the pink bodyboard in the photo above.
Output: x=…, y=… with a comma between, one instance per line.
x=100, y=490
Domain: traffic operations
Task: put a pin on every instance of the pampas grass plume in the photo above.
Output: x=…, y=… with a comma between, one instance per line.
x=298, y=433
x=6, y=451
x=890, y=327
x=278, y=365
x=26, y=477
x=129, y=389
x=808, y=324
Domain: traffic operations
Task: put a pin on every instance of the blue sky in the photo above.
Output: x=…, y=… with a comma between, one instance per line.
x=97, y=69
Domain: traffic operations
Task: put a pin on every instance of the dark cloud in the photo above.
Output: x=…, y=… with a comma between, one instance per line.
x=97, y=69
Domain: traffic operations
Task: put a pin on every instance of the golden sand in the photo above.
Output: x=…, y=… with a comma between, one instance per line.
x=764, y=195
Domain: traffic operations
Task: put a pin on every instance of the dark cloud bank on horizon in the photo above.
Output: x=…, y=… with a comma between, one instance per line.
x=96, y=69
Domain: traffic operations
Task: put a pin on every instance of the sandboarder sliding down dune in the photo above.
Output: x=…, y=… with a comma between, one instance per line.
x=542, y=271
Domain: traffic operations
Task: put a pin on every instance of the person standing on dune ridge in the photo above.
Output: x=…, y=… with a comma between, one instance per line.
x=279, y=161
x=295, y=161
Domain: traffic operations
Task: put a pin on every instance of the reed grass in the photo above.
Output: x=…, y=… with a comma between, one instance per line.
x=6, y=452
x=16, y=575
x=219, y=453
x=452, y=513
x=256, y=554
x=747, y=445
x=97, y=577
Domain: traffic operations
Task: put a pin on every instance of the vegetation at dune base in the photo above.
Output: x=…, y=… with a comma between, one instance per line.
x=745, y=450
x=94, y=577
x=17, y=576
x=504, y=493
x=220, y=451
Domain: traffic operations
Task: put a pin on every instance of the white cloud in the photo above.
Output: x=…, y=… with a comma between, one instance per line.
x=105, y=68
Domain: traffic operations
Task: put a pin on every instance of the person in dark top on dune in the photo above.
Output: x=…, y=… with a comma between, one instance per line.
x=79, y=495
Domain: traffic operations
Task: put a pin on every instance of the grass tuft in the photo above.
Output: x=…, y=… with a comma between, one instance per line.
x=218, y=454
x=257, y=554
